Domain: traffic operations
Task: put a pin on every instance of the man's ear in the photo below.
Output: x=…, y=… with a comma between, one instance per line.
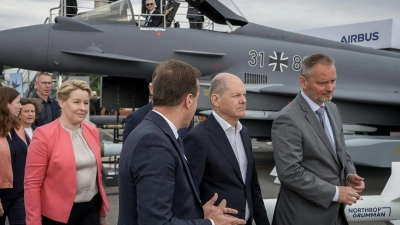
x=188, y=101
x=215, y=100
x=303, y=81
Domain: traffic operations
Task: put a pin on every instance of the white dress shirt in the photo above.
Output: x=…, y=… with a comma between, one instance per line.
x=233, y=135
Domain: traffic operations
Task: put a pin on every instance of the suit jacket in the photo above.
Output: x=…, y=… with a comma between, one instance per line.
x=308, y=166
x=155, y=183
x=136, y=117
x=154, y=21
x=217, y=170
x=50, y=177
x=193, y=13
x=55, y=108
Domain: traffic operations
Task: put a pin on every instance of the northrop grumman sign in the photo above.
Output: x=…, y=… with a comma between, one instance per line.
x=377, y=34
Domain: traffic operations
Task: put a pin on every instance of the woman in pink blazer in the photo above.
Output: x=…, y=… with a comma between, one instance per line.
x=63, y=182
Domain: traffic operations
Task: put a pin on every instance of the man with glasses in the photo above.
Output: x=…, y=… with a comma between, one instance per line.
x=157, y=3
x=50, y=108
x=152, y=21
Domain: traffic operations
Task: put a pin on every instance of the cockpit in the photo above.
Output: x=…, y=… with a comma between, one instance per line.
x=216, y=15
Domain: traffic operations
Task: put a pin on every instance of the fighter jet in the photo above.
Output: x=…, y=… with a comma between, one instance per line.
x=110, y=40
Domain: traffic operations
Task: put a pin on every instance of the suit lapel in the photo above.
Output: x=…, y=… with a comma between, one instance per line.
x=247, y=149
x=217, y=135
x=163, y=125
x=313, y=120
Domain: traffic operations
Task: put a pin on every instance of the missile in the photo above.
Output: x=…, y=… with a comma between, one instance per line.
x=373, y=208
x=110, y=149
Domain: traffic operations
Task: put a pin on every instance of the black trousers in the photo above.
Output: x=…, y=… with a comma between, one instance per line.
x=14, y=210
x=81, y=214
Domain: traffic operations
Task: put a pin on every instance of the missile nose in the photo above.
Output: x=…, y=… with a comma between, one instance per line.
x=25, y=47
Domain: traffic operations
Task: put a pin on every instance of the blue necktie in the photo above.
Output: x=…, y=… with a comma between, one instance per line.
x=180, y=145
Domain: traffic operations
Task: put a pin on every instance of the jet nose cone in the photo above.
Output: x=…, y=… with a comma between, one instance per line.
x=25, y=47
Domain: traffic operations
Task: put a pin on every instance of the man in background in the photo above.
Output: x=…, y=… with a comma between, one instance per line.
x=50, y=108
x=152, y=21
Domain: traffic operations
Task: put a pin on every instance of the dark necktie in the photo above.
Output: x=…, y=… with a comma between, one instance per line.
x=181, y=148
x=321, y=114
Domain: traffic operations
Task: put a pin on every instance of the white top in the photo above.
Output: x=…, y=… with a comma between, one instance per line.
x=233, y=135
x=86, y=167
x=29, y=132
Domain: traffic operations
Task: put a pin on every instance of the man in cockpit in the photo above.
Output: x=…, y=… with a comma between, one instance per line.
x=158, y=3
x=152, y=21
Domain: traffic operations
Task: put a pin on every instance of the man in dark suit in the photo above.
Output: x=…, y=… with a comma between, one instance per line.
x=137, y=116
x=158, y=4
x=152, y=21
x=317, y=175
x=219, y=151
x=195, y=18
x=50, y=109
x=156, y=185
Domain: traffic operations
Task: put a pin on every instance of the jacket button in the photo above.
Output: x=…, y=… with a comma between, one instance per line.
x=243, y=211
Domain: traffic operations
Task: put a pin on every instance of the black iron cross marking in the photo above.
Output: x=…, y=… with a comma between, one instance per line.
x=278, y=61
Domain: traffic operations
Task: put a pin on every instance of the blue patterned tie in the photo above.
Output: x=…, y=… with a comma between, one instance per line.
x=321, y=114
x=180, y=143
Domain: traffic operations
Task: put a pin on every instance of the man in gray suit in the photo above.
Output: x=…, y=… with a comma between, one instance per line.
x=156, y=184
x=317, y=175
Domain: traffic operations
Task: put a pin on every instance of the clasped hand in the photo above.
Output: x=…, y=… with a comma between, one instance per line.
x=350, y=194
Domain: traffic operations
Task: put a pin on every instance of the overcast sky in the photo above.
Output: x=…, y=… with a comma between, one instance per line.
x=291, y=15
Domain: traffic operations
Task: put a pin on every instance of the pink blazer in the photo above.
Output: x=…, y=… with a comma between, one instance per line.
x=50, y=173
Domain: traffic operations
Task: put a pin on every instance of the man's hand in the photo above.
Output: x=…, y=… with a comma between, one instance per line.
x=218, y=215
x=356, y=182
x=103, y=220
x=1, y=209
x=348, y=195
x=209, y=208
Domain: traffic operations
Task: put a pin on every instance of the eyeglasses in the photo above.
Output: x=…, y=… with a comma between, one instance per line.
x=46, y=83
x=149, y=4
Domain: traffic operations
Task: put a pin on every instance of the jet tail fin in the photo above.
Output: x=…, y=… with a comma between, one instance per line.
x=393, y=185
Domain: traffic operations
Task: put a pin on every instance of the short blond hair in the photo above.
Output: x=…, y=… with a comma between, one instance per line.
x=71, y=85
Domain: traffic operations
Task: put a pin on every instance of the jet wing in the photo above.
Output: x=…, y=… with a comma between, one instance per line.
x=109, y=56
x=343, y=94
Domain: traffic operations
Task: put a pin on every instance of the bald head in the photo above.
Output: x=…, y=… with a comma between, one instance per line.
x=220, y=83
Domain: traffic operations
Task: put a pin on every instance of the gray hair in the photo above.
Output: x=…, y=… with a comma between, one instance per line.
x=312, y=60
x=218, y=86
x=42, y=74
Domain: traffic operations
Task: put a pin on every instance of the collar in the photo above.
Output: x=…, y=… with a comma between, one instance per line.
x=314, y=106
x=173, y=128
x=152, y=11
x=225, y=125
